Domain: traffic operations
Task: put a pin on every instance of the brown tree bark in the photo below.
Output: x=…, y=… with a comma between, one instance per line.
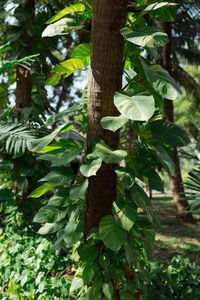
x=24, y=85
x=175, y=181
x=104, y=79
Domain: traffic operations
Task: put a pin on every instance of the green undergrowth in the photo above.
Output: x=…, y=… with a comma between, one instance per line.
x=29, y=270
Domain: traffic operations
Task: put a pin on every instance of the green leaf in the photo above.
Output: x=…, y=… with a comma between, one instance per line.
x=136, y=108
x=53, y=79
x=49, y=228
x=113, y=123
x=72, y=234
x=59, y=158
x=165, y=11
x=62, y=27
x=124, y=213
x=111, y=233
x=39, y=144
x=42, y=189
x=141, y=199
x=161, y=81
x=87, y=253
x=154, y=180
x=108, y=290
x=165, y=160
x=158, y=5
x=56, y=117
x=78, y=7
x=78, y=191
x=92, y=168
x=89, y=272
x=145, y=36
x=125, y=175
x=106, y=154
x=169, y=133
x=49, y=214
x=130, y=249
x=62, y=175
x=77, y=283
x=82, y=50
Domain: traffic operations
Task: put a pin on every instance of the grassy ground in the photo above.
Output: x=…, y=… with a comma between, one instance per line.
x=175, y=237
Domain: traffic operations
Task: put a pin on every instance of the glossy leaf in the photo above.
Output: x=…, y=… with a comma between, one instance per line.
x=82, y=50
x=125, y=214
x=125, y=175
x=42, y=189
x=136, y=108
x=62, y=175
x=169, y=133
x=145, y=36
x=62, y=27
x=77, y=7
x=161, y=81
x=92, y=168
x=49, y=214
x=53, y=79
x=106, y=154
x=78, y=191
x=113, y=123
x=111, y=233
x=39, y=144
x=72, y=234
x=49, y=228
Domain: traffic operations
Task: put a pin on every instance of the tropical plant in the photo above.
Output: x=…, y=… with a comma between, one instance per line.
x=114, y=267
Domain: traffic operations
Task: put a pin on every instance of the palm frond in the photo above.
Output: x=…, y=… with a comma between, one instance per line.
x=17, y=137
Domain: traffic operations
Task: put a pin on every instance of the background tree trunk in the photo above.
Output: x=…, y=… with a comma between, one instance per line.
x=104, y=79
x=24, y=85
x=176, y=181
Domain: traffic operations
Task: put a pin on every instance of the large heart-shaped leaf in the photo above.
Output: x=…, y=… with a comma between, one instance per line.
x=107, y=155
x=137, y=108
x=111, y=233
x=113, y=123
x=92, y=168
x=161, y=81
x=169, y=133
x=145, y=36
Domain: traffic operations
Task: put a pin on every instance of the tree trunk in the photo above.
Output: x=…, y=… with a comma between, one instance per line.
x=104, y=79
x=176, y=181
x=24, y=85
